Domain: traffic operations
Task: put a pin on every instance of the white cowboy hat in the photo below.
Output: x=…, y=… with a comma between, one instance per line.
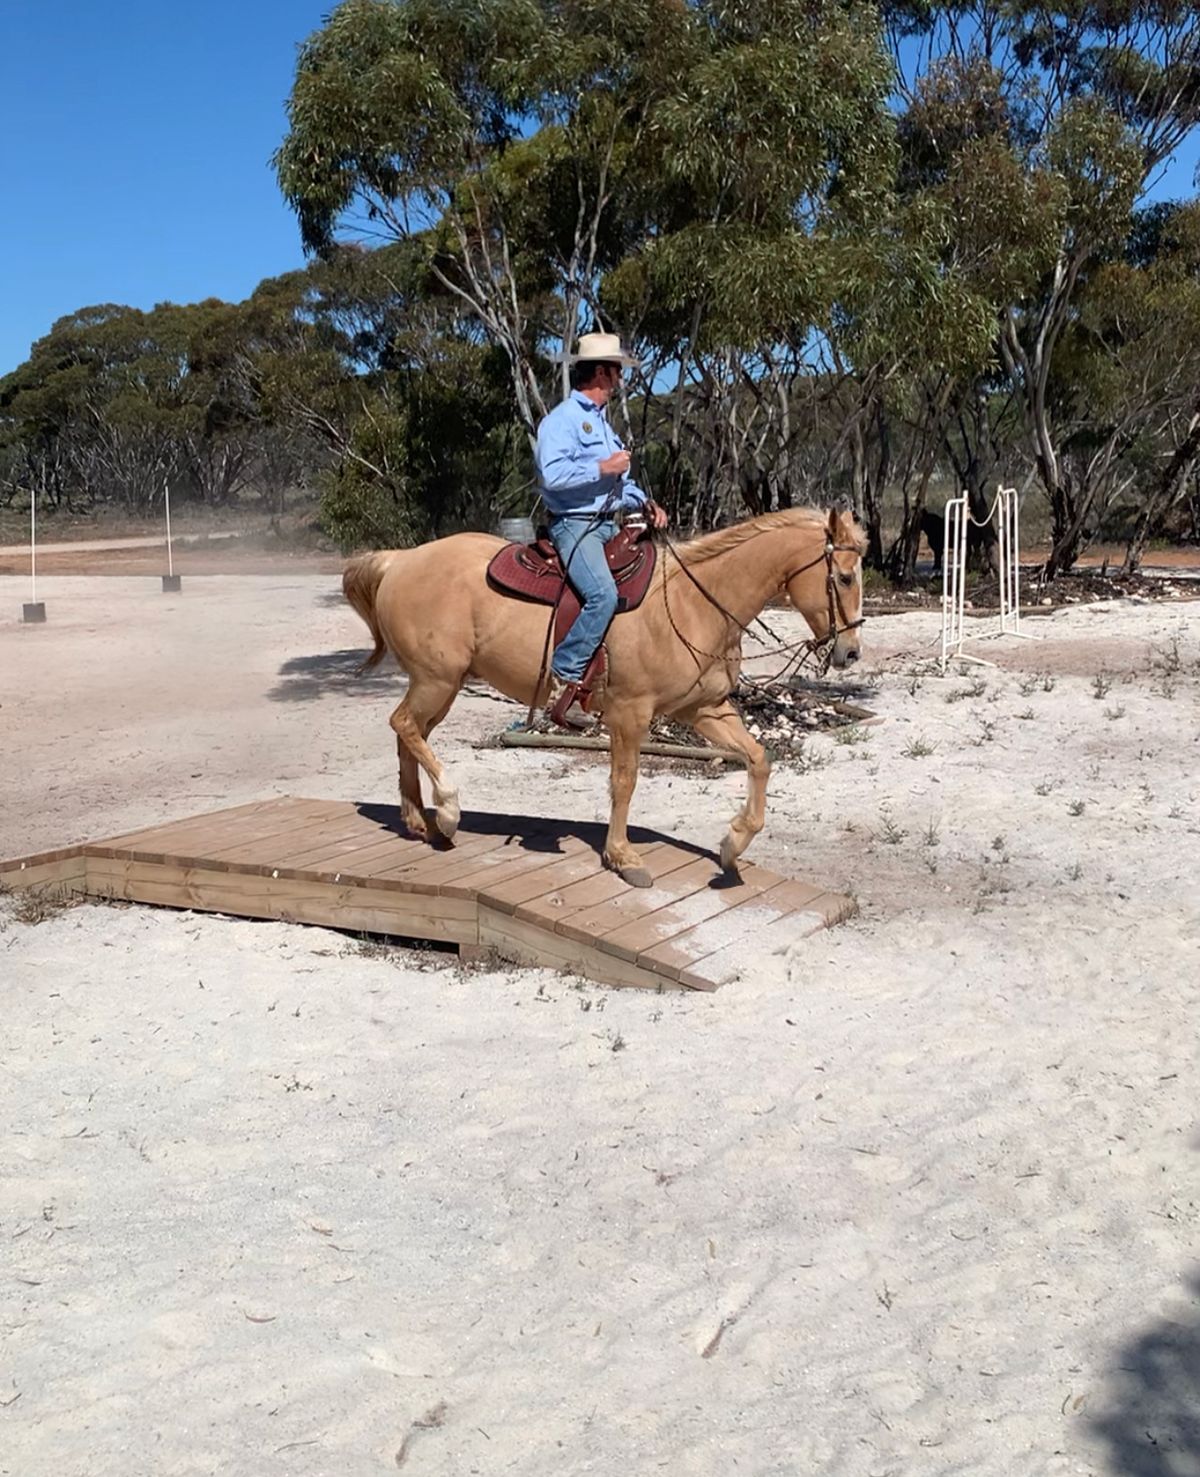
x=601, y=348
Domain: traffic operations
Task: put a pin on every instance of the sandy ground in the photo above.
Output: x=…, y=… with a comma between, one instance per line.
x=919, y=1198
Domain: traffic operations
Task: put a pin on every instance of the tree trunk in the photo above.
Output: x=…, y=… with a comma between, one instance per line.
x=1165, y=495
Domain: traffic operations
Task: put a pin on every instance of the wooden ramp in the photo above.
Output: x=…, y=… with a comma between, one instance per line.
x=533, y=890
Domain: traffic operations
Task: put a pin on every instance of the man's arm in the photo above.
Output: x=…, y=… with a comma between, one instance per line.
x=632, y=495
x=634, y=498
x=560, y=464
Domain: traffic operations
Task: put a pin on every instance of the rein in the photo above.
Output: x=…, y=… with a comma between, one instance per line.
x=798, y=651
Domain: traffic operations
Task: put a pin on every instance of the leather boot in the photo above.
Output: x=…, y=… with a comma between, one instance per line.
x=563, y=705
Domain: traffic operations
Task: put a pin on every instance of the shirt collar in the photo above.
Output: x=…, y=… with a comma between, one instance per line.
x=581, y=399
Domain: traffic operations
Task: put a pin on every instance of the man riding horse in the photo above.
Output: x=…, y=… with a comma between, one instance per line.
x=583, y=478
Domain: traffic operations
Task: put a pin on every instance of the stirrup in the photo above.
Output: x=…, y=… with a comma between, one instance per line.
x=563, y=705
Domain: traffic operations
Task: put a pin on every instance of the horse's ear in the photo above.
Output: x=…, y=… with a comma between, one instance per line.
x=831, y=526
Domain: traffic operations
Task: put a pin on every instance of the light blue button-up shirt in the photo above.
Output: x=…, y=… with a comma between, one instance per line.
x=572, y=441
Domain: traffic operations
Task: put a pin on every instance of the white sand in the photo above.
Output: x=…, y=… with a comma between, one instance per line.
x=920, y=1198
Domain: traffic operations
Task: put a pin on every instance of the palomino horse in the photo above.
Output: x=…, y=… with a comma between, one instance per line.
x=678, y=655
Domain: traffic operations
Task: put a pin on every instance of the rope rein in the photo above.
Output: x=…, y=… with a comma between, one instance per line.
x=798, y=652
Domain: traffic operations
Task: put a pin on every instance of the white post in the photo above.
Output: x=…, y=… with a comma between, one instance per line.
x=954, y=571
x=33, y=546
x=167, y=500
x=1010, y=558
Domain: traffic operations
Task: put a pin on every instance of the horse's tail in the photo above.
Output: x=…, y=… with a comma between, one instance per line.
x=360, y=581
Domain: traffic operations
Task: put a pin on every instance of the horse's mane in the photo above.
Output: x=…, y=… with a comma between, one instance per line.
x=709, y=545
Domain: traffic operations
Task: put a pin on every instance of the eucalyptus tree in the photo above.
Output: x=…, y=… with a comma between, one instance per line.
x=463, y=125
x=1056, y=118
x=658, y=167
x=773, y=142
x=100, y=396
x=1141, y=318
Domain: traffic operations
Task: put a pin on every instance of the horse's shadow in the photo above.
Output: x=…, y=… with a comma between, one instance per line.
x=537, y=834
x=1149, y=1418
x=829, y=688
x=303, y=679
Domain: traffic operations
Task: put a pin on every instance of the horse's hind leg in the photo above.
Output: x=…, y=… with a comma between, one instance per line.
x=425, y=704
x=722, y=725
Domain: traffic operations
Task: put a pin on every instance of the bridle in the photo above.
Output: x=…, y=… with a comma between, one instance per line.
x=836, y=613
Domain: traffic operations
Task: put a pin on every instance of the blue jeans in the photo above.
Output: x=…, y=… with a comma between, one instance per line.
x=580, y=546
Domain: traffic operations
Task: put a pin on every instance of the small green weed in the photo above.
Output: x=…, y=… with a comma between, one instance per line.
x=918, y=748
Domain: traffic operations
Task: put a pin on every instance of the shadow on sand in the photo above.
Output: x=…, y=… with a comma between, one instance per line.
x=532, y=833
x=303, y=679
x=1149, y=1419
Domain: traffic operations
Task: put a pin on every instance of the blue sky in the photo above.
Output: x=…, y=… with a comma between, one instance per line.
x=135, y=140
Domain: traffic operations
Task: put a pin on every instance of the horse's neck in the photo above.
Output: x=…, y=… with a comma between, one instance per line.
x=744, y=578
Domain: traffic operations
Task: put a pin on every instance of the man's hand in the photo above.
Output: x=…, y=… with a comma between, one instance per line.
x=656, y=515
x=616, y=465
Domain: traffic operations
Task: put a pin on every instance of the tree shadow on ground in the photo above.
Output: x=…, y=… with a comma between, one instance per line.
x=1149, y=1419
x=302, y=679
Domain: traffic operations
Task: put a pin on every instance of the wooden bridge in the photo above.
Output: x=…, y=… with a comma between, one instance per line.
x=535, y=891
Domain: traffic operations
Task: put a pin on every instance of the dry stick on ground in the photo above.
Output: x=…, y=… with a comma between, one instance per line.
x=515, y=738
x=428, y=1422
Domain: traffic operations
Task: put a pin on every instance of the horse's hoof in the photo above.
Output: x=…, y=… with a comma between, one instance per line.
x=447, y=813
x=729, y=855
x=635, y=876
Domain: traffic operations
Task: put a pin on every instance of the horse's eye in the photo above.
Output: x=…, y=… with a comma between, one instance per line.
x=846, y=579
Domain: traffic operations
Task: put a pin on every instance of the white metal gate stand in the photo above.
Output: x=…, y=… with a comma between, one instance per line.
x=1006, y=511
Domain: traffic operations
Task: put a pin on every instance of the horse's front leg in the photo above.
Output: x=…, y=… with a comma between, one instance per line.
x=625, y=736
x=723, y=726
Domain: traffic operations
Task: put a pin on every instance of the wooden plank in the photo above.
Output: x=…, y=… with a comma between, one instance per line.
x=374, y=853
x=267, y=844
x=736, y=959
x=434, y=865
x=65, y=869
x=38, y=858
x=659, y=858
x=530, y=944
x=674, y=951
x=148, y=836
x=349, y=833
x=356, y=862
x=208, y=835
x=508, y=896
x=687, y=895
x=296, y=831
x=496, y=867
x=371, y=910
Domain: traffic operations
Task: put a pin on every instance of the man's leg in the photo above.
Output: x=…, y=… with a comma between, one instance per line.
x=581, y=550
